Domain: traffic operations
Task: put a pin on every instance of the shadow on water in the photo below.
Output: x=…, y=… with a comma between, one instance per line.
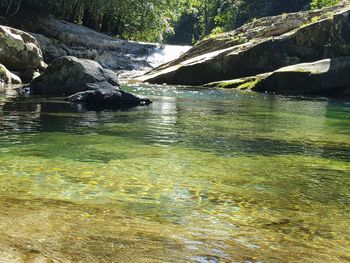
x=52, y=115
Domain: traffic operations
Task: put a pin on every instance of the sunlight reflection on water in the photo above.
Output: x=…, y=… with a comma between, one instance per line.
x=199, y=175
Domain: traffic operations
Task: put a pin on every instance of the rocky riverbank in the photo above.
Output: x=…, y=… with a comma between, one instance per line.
x=77, y=80
x=58, y=38
x=250, y=57
x=303, y=53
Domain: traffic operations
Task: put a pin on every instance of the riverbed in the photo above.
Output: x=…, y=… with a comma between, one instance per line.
x=198, y=176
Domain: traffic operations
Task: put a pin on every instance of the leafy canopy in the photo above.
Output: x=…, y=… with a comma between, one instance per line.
x=174, y=21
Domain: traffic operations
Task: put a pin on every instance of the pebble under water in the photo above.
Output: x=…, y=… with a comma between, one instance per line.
x=198, y=176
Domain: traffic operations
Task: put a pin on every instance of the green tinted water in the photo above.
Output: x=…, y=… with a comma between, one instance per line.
x=199, y=176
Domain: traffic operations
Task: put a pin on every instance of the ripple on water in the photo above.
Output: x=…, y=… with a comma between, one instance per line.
x=199, y=175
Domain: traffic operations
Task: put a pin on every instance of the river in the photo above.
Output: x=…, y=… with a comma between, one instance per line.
x=198, y=176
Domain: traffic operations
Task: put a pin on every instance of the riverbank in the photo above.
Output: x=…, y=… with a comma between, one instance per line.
x=57, y=58
x=59, y=38
x=253, y=56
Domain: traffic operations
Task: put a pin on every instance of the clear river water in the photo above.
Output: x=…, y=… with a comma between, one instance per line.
x=198, y=176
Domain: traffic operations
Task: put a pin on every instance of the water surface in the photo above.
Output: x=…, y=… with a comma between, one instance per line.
x=198, y=176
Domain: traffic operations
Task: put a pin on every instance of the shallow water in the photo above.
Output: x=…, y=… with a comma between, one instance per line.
x=198, y=176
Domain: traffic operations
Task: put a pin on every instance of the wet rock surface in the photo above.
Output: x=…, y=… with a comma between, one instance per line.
x=107, y=99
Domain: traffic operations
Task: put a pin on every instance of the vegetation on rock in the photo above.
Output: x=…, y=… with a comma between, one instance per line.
x=174, y=21
x=265, y=45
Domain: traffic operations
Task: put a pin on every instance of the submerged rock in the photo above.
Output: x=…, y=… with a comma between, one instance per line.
x=107, y=98
x=8, y=77
x=82, y=81
x=19, y=51
x=261, y=46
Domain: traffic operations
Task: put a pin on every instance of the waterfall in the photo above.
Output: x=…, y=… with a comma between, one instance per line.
x=166, y=53
x=157, y=56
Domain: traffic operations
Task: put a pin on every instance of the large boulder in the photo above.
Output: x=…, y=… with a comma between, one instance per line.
x=19, y=51
x=59, y=38
x=68, y=75
x=328, y=77
x=8, y=77
x=82, y=81
x=261, y=46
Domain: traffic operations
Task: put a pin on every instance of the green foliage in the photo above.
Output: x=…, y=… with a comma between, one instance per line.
x=315, y=4
x=175, y=21
x=216, y=31
x=202, y=17
x=146, y=20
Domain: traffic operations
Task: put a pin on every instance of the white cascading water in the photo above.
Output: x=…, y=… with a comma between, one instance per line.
x=166, y=54
x=157, y=57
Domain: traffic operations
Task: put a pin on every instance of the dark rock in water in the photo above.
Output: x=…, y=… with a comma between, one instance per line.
x=83, y=81
x=68, y=75
x=107, y=98
x=263, y=45
x=328, y=77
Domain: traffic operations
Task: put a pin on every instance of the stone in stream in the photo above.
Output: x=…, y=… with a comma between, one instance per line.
x=107, y=98
x=83, y=81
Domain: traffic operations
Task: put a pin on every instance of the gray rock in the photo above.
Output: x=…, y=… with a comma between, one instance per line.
x=83, y=81
x=328, y=77
x=51, y=48
x=261, y=46
x=107, y=98
x=68, y=75
x=58, y=38
x=19, y=50
x=8, y=77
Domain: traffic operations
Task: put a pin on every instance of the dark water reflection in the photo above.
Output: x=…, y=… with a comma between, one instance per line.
x=229, y=124
x=199, y=175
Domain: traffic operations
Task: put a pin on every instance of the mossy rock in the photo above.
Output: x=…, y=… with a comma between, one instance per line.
x=267, y=44
x=328, y=77
x=19, y=50
x=247, y=83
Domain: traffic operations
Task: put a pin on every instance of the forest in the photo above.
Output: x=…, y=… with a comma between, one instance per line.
x=137, y=131
x=163, y=21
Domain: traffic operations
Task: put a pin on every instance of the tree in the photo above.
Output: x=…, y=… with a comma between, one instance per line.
x=179, y=21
